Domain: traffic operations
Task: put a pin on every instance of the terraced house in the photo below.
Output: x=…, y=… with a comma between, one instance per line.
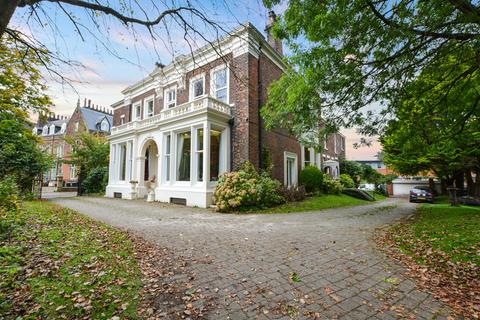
x=177, y=130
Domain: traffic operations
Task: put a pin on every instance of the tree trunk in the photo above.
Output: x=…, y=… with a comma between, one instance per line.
x=6, y=13
x=460, y=182
x=470, y=183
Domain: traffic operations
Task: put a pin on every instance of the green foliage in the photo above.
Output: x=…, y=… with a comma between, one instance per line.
x=355, y=53
x=246, y=188
x=21, y=86
x=9, y=207
x=96, y=180
x=20, y=155
x=76, y=267
x=89, y=151
x=331, y=186
x=90, y=154
x=311, y=177
x=436, y=133
x=346, y=181
x=353, y=169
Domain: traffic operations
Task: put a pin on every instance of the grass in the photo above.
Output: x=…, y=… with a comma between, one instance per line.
x=316, y=203
x=60, y=264
x=451, y=233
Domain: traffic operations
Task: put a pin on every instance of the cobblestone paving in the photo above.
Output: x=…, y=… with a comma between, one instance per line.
x=304, y=265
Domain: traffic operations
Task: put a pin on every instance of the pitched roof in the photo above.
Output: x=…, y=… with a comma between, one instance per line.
x=93, y=118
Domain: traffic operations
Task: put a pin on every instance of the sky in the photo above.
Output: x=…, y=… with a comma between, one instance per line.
x=114, y=56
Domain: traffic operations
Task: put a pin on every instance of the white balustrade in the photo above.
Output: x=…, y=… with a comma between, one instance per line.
x=189, y=107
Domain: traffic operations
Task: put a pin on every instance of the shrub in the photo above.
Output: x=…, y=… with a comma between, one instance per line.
x=9, y=195
x=331, y=186
x=311, y=177
x=347, y=181
x=360, y=194
x=246, y=188
x=293, y=193
x=9, y=207
x=96, y=180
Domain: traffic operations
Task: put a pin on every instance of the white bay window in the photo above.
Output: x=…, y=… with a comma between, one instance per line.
x=220, y=84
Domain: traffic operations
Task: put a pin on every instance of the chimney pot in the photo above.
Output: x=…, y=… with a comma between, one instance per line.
x=89, y=102
x=85, y=102
x=276, y=44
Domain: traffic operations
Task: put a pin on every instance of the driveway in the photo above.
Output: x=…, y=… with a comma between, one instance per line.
x=279, y=266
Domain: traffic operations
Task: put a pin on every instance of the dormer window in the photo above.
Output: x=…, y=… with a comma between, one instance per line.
x=171, y=98
x=197, y=87
x=52, y=129
x=64, y=128
x=104, y=125
x=34, y=130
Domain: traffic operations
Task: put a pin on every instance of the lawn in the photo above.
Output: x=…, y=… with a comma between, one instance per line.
x=60, y=264
x=316, y=203
x=441, y=246
x=443, y=230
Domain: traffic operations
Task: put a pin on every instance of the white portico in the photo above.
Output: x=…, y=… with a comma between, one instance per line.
x=181, y=151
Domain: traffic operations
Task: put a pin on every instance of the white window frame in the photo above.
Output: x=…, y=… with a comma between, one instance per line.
x=311, y=152
x=213, y=90
x=325, y=143
x=50, y=131
x=137, y=115
x=170, y=103
x=147, y=114
x=294, y=156
x=199, y=152
x=191, y=83
x=72, y=172
x=122, y=119
x=63, y=128
x=77, y=125
x=45, y=130
x=342, y=143
x=167, y=157
x=60, y=151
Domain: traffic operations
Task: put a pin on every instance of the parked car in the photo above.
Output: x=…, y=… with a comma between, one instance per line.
x=367, y=187
x=421, y=194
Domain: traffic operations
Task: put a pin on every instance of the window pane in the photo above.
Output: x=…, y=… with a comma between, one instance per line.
x=220, y=78
x=221, y=95
x=199, y=166
x=307, y=156
x=167, y=149
x=123, y=161
x=215, y=155
x=198, y=88
x=167, y=168
x=199, y=139
x=183, y=156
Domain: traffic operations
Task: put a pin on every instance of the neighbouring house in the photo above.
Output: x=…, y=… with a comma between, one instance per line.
x=177, y=130
x=53, y=130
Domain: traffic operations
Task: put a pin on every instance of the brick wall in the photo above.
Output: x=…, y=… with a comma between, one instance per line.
x=117, y=115
x=276, y=141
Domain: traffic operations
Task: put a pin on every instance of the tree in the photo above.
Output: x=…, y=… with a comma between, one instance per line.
x=353, y=169
x=438, y=133
x=90, y=155
x=362, y=53
x=20, y=156
x=21, y=85
x=169, y=22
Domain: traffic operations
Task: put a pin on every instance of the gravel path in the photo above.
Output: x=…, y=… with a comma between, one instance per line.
x=279, y=266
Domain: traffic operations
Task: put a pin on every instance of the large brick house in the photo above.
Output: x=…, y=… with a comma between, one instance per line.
x=183, y=125
x=53, y=129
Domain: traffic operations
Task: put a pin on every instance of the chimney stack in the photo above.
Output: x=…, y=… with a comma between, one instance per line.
x=84, y=102
x=89, y=102
x=276, y=44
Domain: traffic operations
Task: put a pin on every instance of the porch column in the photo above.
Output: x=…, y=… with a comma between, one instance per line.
x=206, y=154
x=112, y=164
x=227, y=151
